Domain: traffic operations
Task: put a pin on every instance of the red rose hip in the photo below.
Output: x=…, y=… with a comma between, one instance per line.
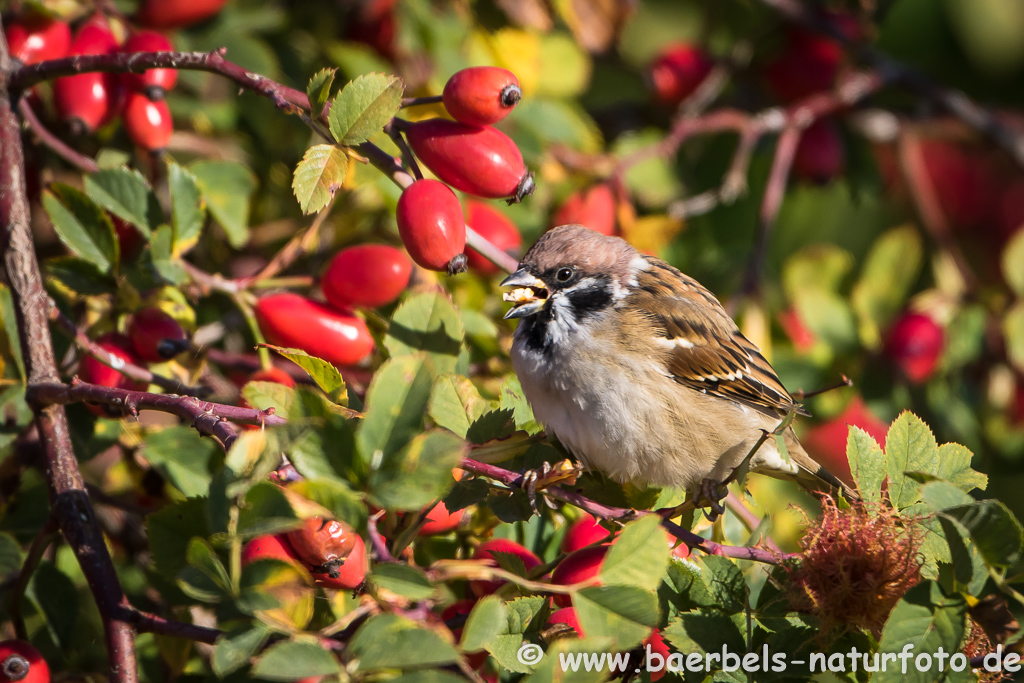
x=593, y=208
x=368, y=275
x=819, y=156
x=36, y=37
x=293, y=321
x=915, y=343
x=478, y=160
x=322, y=543
x=500, y=545
x=156, y=336
x=350, y=574
x=496, y=228
x=481, y=95
x=582, y=533
x=148, y=123
x=268, y=547
x=432, y=227
x=275, y=375
x=164, y=14
x=582, y=565
x=567, y=616
x=153, y=82
x=440, y=521
x=678, y=71
x=22, y=663
x=92, y=371
x=89, y=100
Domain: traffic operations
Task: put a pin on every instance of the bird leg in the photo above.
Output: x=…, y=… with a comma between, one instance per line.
x=710, y=494
x=540, y=478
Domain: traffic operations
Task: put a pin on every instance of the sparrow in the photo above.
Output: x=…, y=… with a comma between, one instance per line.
x=640, y=372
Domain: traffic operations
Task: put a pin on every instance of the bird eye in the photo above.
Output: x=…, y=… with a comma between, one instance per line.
x=564, y=274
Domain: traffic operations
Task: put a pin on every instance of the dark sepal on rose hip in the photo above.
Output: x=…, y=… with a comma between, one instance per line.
x=169, y=348
x=15, y=667
x=511, y=94
x=524, y=189
x=458, y=264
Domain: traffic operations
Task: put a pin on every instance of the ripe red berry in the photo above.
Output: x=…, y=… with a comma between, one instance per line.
x=567, y=616
x=165, y=14
x=915, y=343
x=36, y=37
x=154, y=82
x=440, y=521
x=810, y=61
x=268, y=547
x=432, y=227
x=485, y=552
x=156, y=336
x=368, y=275
x=322, y=543
x=293, y=321
x=656, y=642
x=22, y=663
x=677, y=71
x=593, y=208
x=128, y=237
x=148, y=123
x=89, y=100
x=92, y=371
x=351, y=574
x=582, y=533
x=481, y=95
x=373, y=23
x=582, y=565
x=478, y=160
x=496, y=228
x=276, y=375
x=819, y=156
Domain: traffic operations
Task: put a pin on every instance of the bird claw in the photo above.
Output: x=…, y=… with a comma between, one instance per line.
x=710, y=495
x=540, y=478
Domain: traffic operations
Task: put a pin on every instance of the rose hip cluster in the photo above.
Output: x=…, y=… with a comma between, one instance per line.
x=469, y=155
x=88, y=101
x=330, y=550
x=153, y=336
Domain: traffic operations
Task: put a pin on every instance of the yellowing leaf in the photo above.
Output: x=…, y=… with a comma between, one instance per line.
x=318, y=176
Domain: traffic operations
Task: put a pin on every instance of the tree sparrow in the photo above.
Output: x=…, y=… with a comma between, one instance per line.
x=640, y=372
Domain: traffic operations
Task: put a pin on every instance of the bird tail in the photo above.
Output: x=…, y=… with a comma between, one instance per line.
x=812, y=476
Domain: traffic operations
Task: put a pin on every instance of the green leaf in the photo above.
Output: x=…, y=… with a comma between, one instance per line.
x=909, y=447
x=724, y=584
x=1013, y=263
x=512, y=398
x=235, y=648
x=418, y=474
x=265, y=510
x=640, y=555
x=828, y=316
x=925, y=620
x=955, y=467
x=318, y=90
x=486, y=622
x=939, y=495
x=82, y=226
x=427, y=322
x=10, y=556
x=624, y=614
x=183, y=457
x=79, y=275
x=161, y=254
x=318, y=176
x=395, y=405
x=652, y=181
x=292, y=660
x=169, y=531
x=10, y=322
x=455, y=404
x=889, y=271
x=867, y=463
x=1013, y=332
x=187, y=212
x=967, y=572
x=403, y=579
x=364, y=106
x=205, y=577
x=323, y=373
x=700, y=632
x=389, y=641
x=520, y=617
x=227, y=187
x=996, y=532
x=427, y=675
x=126, y=194
x=344, y=504
x=54, y=594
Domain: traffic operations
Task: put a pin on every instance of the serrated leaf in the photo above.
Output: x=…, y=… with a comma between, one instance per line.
x=126, y=194
x=395, y=405
x=512, y=398
x=265, y=510
x=909, y=447
x=925, y=620
x=344, y=504
x=418, y=474
x=702, y=632
x=318, y=176
x=455, y=403
x=227, y=187
x=485, y=622
x=407, y=581
x=235, y=648
x=82, y=226
x=625, y=614
x=996, y=532
x=510, y=562
x=323, y=373
x=389, y=641
x=291, y=661
x=187, y=212
x=183, y=457
x=552, y=669
x=867, y=463
x=318, y=90
x=427, y=322
x=724, y=583
x=639, y=557
x=520, y=617
x=955, y=467
x=364, y=106
x=1013, y=263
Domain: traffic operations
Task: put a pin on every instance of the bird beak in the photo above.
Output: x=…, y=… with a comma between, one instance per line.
x=530, y=296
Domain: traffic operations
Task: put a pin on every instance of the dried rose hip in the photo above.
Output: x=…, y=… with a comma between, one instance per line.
x=164, y=14
x=148, y=123
x=22, y=663
x=496, y=228
x=351, y=574
x=293, y=321
x=678, y=71
x=478, y=160
x=431, y=225
x=323, y=543
x=156, y=336
x=368, y=275
x=593, y=208
x=154, y=82
x=481, y=95
x=36, y=37
x=819, y=156
x=89, y=100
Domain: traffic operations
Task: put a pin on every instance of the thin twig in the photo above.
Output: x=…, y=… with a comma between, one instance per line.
x=59, y=147
x=418, y=101
x=297, y=246
x=35, y=553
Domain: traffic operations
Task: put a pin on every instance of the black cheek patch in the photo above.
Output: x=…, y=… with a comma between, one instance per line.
x=590, y=301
